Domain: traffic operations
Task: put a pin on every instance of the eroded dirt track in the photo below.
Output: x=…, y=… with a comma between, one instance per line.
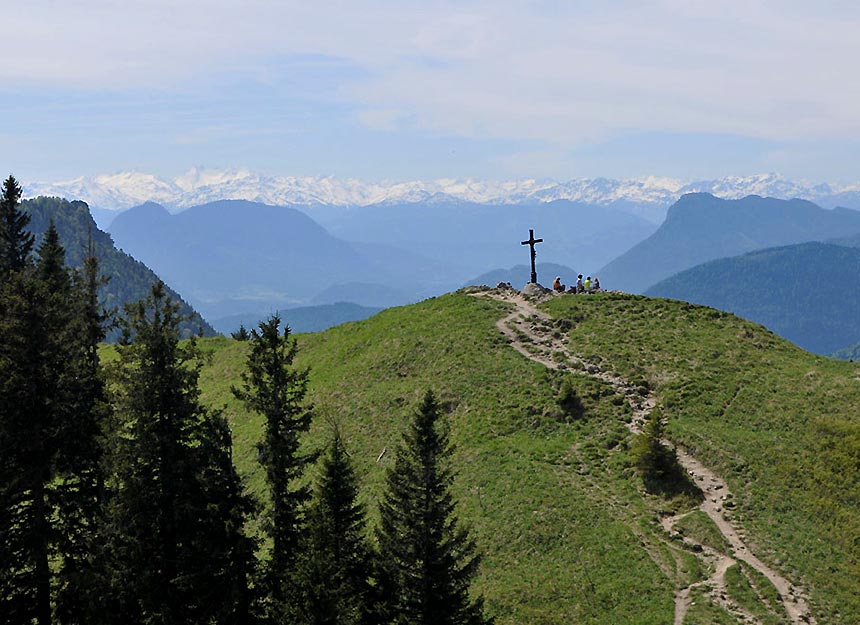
x=531, y=332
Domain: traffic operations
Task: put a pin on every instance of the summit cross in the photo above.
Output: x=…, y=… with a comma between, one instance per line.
x=531, y=243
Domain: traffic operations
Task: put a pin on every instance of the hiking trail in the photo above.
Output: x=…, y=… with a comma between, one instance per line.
x=530, y=332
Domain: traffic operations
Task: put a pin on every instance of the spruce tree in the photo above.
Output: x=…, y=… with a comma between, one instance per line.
x=37, y=373
x=335, y=565
x=241, y=334
x=80, y=483
x=276, y=390
x=651, y=456
x=42, y=417
x=175, y=547
x=15, y=242
x=426, y=559
x=25, y=438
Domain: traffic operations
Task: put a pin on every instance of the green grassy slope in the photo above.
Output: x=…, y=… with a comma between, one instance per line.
x=807, y=293
x=781, y=425
x=568, y=534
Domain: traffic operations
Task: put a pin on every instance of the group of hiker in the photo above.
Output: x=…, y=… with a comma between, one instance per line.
x=588, y=285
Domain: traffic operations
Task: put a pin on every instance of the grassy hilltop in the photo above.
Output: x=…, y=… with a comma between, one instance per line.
x=569, y=534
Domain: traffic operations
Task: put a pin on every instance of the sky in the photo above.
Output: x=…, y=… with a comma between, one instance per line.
x=405, y=90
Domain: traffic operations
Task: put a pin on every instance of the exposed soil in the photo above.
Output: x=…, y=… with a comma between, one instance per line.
x=530, y=332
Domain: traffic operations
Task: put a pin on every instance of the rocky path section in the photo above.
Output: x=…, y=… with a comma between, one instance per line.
x=533, y=333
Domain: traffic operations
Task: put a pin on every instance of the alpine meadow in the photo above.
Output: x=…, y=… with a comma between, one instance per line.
x=454, y=313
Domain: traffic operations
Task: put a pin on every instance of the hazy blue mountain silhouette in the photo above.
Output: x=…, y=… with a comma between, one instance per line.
x=851, y=241
x=301, y=319
x=365, y=294
x=700, y=227
x=474, y=238
x=519, y=275
x=234, y=255
x=808, y=293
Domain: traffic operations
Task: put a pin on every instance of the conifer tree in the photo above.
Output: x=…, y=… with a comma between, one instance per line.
x=174, y=537
x=653, y=459
x=24, y=472
x=40, y=417
x=35, y=367
x=80, y=484
x=426, y=559
x=23, y=434
x=274, y=389
x=15, y=242
x=335, y=565
x=241, y=334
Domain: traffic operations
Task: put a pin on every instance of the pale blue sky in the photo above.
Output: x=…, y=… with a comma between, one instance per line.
x=405, y=90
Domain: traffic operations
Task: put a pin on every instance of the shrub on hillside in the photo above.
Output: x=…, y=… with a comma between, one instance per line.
x=657, y=463
x=569, y=402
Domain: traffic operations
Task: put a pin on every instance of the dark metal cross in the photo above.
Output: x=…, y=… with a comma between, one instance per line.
x=531, y=243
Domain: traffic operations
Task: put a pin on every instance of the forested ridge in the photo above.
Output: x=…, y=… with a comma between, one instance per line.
x=807, y=293
x=128, y=280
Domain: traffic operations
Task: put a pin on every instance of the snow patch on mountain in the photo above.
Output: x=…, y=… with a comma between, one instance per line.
x=647, y=195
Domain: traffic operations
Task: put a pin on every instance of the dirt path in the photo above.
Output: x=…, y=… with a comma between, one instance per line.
x=531, y=332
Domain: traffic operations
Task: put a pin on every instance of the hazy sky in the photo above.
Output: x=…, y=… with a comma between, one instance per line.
x=403, y=90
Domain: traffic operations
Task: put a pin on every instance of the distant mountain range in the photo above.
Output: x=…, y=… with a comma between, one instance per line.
x=646, y=196
x=808, y=293
x=700, y=227
x=234, y=256
x=519, y=275
x=302, y=319
x=473, y=238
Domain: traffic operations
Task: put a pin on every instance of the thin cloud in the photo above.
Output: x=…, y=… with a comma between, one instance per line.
x=561, y=73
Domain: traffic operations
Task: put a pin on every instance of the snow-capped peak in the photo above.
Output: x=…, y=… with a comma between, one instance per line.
x=649, y=195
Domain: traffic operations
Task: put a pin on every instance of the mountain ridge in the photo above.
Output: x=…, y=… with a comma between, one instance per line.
x=233, y=256
x=129, y=278
x=700, y=227
x=646, y=195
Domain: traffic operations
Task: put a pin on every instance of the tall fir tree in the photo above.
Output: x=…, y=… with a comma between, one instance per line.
x=24, y=456
x=38, y=374
x=80, y=483
x=174, y=535
x=44, y=380
x=335, y=566
x=15, y=242
x=426, y=560
x=272, y=387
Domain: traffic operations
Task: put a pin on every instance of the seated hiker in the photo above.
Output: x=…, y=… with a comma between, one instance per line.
x=579, y=287
x=557, y=285
x=596, y=284
x=587, y=284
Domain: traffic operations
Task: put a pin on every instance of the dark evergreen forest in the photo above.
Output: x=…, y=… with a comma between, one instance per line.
x=119, y=499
